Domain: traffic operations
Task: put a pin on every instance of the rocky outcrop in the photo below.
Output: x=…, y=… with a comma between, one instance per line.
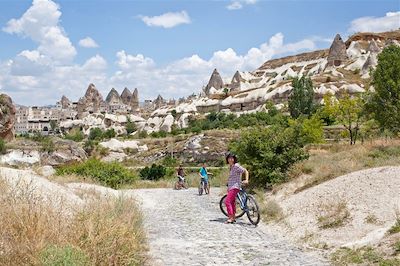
x=159, y=101
x=215, y=82
x=135, y=99
x=371, y=62
x=113, y=97
x=91, y=102
x=373, y=47
x=236, y=80
x=337, y=52
x=66, y=152
x=65, y=102
x=126, y=96
x=7, y=118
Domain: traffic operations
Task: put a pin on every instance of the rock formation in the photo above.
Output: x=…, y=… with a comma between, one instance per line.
x=214, y=82
x=337, y=52
x=91, y=102
x=126, y=96
x=371, y=62
x=113, y=97
x=236, y=80
x=159, y=101
x=135, y=99
x=65, y=102
x=7, y=118
x=373, y=47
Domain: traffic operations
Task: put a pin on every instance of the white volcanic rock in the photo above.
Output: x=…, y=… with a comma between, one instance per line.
x=352, y=88
x=46, y=170
x=71, y=123
x=54, y=194
x=167, y=124
x=193, y=143
x=358, y=64
x=116, y=118
x=18, y=157
x=114, y=156
x=119, y=146
x=354, y=50
x=183, y=121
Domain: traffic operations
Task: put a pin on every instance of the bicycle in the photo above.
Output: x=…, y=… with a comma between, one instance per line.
x=203, y=186
x=246, y=203
x=181, y=183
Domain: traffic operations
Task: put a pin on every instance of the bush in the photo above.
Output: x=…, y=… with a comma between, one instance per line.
x=75, y=135
x=95, y=134
x=269, y=153
x=143, y=134
x=48, y=145
x=155, y=172
x=59, y=256
x=130, y=127
x=109, y=134
x=169, y=161
x=3, y=148
x=111, y=174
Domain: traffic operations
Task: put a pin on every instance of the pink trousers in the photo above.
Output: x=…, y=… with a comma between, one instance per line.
x=230, y=201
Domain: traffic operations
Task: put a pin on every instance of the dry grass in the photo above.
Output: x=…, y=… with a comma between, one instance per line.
x=329, y=161
x=34, y=233
x=333, y=215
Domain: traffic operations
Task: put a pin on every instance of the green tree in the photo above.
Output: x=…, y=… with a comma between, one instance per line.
x=53, y=125
x=226, y=92
x=301, y=100
x=327, y=112
x=384, y=103
x=350, y=112
x=174, y=113
x=130, y=126
x=308, y=130
x=269, y=152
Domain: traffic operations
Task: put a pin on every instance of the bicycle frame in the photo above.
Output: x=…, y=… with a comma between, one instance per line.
x=242, y=196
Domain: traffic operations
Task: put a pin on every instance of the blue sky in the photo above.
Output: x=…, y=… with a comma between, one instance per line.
x=165, y=47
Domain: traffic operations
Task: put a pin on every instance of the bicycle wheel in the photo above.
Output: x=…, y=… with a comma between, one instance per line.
x=201, y=188
x=252, y=210
x=222, y=206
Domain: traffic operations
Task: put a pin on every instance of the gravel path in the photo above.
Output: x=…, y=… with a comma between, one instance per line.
x=187, y=229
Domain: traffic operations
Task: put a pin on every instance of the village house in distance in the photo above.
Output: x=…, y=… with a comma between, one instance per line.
x=38, y=119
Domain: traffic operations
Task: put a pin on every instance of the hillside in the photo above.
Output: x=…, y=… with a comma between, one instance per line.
x=342, y=68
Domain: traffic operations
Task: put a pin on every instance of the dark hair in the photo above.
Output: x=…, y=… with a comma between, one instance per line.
x=230, y=154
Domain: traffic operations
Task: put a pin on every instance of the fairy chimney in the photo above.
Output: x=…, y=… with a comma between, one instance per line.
x=113, y=97
x=214, y=82
x=135, y=99
x=126, y=96
x=236, y=80
x=337, y=52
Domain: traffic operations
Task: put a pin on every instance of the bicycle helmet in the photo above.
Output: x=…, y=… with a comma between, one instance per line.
x=230, y=154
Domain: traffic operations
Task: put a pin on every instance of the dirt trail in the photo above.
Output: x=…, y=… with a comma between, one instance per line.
x=187, y=229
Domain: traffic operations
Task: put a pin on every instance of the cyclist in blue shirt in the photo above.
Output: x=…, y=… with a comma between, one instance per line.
x=204, y=177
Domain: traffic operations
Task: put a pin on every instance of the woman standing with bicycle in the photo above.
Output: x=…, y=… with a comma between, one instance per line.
x=234, y=184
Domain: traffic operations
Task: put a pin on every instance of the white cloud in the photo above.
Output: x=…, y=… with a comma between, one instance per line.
x=234, y=5
x=238, y=4
x=41, y=23
x=88, y=43
x=391, y=21
x=167, y=20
